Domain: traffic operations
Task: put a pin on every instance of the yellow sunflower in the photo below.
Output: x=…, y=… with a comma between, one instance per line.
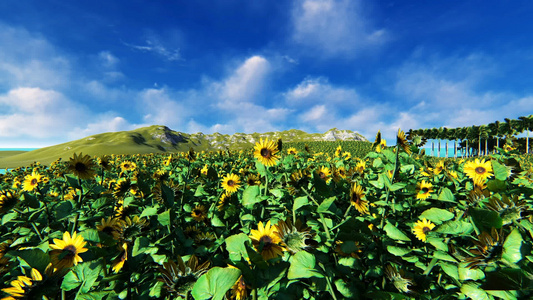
x=82, y=166
x=324, y=173
x=65, y=252
x=253, y=179
x=423, y=190
x=478, y=170
x=31, y=181
x=238, y=290
x=119, y=261
x=111, y=226
x=338, y=151
x=421, y=229
x=230, y=183
x=266, y=152
x=8, y=199
x=439, y=167
x=402, y=141
x=204, y=170
x=128, y=166
x=360, y=167
x=356, y=199
x=266, y=241
x=21, y=285
x=199, y=213
x=292, y=151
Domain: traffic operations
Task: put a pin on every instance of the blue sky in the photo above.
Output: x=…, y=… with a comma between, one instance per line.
x=69, y=69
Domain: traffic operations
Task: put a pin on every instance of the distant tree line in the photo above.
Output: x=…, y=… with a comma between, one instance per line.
x=476, y=140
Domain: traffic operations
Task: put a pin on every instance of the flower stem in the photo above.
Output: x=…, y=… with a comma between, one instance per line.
x=322, y=219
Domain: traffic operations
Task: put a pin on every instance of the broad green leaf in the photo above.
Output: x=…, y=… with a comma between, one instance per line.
x=437, y=242
x=441, y=255
x=235, y=246
x=325, y=205
x=450, y=269
x=485, y=219
x=457, y=227
x=471, y=290
x=164, y=218
x=469, y=273
x=398, y=251
x=303, y=266
x=437, y=215
x=496, y=185
x=33, y=258
x=215, y=283
x=348, y=291
x=63, y=210
x=446, y=195
x=511, y=247
x=200, y=191
x=84, y=274
x=216, y=222
x=299, y=202
x=91, y=235
x=395, y=233
x=500, y=171
x=149, y=211
x=397, y=186
x=250, y=196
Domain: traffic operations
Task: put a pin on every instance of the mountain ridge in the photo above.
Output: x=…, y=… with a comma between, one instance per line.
x=160, y=139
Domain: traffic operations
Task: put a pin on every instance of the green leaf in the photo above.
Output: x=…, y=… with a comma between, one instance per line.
x=215, y=283
x=200, y=191
x=450, y=270
x=446, y=195
x=303, y=266
x=216, y=222
x=468, y=273
x=441, y=255
x=500, y=171
x=398, y=251
x=63, y=210
x=325, y=205
x=250, y=196
x=168, y=195
x=485, y=219
x=456, y=227
x=438, y=243
x=84, y=274
x=471, y=290
x=397, y=186
x=299, y=202
x=236, y=248
x=155, y=290
x=346, y=290
x=437, y=215
x=395, y=233
x=34, y=258
x=91, y=235
x=149, y=211
x=511, y=247
x=164, y=218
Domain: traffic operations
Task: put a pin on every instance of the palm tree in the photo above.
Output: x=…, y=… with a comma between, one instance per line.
x=452, y=134
x=495, y=132
x=526, y=123
x=483, y=134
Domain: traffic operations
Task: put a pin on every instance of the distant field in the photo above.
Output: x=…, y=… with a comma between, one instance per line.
x=4, y=154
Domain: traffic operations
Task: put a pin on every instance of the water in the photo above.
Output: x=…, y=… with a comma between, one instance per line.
x=443, y=152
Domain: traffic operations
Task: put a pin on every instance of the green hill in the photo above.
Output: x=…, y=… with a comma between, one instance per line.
x=160, y=139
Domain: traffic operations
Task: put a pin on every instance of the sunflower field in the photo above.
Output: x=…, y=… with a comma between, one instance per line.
x=274, y=222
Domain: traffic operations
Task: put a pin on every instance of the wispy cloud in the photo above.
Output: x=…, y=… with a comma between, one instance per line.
x=153, y=45
x=334, y=27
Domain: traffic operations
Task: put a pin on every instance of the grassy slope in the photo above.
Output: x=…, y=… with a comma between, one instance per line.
x=141, y=141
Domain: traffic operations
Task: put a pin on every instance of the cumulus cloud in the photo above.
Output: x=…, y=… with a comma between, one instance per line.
x=319, y=90
x=160, y=108
x=334, y=27
x=154, y=45
x=107, y=122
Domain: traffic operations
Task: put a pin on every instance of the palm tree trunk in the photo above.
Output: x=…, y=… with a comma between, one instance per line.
x=455, y=148
x=432, y=148
x=527, y=143
x=438, y=153
x=467, y=148
x=446, y=148
x=479, y=147
x=486, y=146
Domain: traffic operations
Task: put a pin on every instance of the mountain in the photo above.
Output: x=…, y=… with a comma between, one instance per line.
x=159, y=139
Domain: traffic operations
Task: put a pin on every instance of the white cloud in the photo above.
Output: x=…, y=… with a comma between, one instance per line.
x=319, y=90
x=102, y=123
x=159, y=108
x=153, y=45
x=107, y=59
x=334, y=27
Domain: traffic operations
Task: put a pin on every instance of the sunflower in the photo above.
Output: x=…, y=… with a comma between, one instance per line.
x=266, y=152
x=351, y=249
x=338, y=151
x=65, y=252
x=293, y=237
x=438, y=168
x=122, y=186
x=230, y=183
x=180, y=278
x=489, y=247
x=8, y=199
x=356, y=199
x=379, y=143
x=509, y=209
x=111, y=226
x=478, y=170
x=422, y=228
x=22, y=285
x=31, y=182
x=132, y=227
x=128, y=166
x=104, y=163
x=204, y=239
x=339, y=173
x=402, y=141
x=324, y=173
x=82, y=166
x=398, y=280
x=298, y=180
x=360, y=167
x=423, y=190
x=119, y=261
x=253, y=179
x=266, y=240
x=238, y=290
x=199, y=213
x=204, y=170
x=292, y=151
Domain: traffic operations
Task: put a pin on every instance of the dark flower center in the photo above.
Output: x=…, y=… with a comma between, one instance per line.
x=80, y=167
x=426, y=230
x=425, y=190
x=322, y=175
x=480, y=170
x=231, y=182
x=198, y=212
x=33, y=181
x=108, y=229
x=69, y=251
x=265, y=153
x=267, y=242
x=126, y=166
